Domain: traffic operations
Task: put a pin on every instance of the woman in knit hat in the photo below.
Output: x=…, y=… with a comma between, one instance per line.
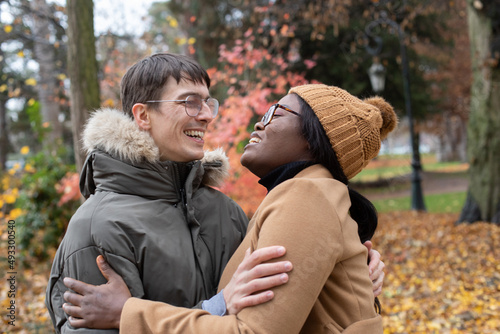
x=305, y=149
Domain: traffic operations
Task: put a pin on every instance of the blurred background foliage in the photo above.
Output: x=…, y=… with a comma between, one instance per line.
x=254, y=52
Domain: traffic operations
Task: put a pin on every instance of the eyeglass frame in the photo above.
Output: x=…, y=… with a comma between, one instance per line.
x=214, y=112
x=276, y=106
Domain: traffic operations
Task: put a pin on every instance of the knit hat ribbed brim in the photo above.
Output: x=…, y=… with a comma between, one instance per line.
x=355, y=127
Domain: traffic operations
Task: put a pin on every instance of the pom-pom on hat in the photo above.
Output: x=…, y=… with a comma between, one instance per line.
x=355, y=127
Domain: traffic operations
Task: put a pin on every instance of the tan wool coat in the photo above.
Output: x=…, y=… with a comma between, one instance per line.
x=329, y=290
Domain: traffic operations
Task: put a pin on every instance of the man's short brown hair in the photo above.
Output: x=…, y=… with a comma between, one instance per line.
x=144, y=81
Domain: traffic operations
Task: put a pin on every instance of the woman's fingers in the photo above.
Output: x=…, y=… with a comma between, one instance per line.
x=72, y=310
x=73, y=298
x=77, y=323
x=106, y=270
x=77, y=286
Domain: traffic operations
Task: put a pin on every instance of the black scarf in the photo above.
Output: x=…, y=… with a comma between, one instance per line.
x=283, y=173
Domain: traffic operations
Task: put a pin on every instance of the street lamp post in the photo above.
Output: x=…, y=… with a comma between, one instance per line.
x=377, y=73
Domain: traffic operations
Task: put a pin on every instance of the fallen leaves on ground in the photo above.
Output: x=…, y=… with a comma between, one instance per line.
x=440, y=278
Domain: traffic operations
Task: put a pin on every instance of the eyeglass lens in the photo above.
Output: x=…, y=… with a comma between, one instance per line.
x=194, y=104
x=266, y=119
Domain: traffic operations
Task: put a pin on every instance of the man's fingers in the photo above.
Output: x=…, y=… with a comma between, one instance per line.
x=265, y=254
x=377, y=284
x=375, y=261
x=268, y=269
x=368, y=244
x=377, y=270
x=377, y=292
x=265, y=283
x=77, y=286
x=73, y=298
x=257, y=299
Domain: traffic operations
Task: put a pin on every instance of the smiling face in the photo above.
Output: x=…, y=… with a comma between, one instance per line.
x=179, y=137
x=279, y=143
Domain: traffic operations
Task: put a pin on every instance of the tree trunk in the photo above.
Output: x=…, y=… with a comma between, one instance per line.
x=452, y=145
x=4, y=139
x=82, y=69
x=45, y=56
x=484, y=121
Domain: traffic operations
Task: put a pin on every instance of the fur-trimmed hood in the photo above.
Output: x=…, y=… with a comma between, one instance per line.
x=113, y=132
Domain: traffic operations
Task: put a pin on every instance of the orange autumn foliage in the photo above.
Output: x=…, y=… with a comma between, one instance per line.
x=253, y=79
x=69, y=188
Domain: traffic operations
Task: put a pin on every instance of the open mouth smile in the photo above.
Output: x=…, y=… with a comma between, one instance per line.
x=254, y=140
x=195, y=134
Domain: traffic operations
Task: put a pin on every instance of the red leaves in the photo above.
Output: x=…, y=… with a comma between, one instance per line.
x=69, y=188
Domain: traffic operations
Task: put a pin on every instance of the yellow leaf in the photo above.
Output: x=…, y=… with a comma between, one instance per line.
x=20, y=54
x=25, y=150
x=9, y=198
x=173, y=22
x=191, y=40
x=30, y=82
x=15, y=213
x=181, y=41
x=109, y=103
x=31, y=102
x=61, y=76
x=3, y=88
x=7, y=28
x=29, y=168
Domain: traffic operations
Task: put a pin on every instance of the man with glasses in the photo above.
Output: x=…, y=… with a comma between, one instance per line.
x=151, y=208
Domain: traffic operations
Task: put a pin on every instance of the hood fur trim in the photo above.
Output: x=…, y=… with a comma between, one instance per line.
x=112, y=131
x=216, y=165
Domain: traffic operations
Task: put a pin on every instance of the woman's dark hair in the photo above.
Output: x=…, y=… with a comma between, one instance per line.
x=362, y=210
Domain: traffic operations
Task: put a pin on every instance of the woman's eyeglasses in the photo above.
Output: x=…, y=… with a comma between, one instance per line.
x=193, y=105
x=268, y=116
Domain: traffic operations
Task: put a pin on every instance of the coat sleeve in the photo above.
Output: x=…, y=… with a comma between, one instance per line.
x=81, y=265
x=299, y=217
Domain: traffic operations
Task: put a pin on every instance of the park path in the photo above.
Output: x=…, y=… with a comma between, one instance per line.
x=432, y=183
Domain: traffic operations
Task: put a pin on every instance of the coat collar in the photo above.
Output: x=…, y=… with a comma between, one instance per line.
x=115, y=133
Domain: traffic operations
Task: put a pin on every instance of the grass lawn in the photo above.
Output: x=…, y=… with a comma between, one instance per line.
x=393, y=166
x=436, y=203
x=389, y=174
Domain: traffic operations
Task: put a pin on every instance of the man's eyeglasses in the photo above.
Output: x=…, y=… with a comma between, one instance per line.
x=268, y=116
x=193, y=104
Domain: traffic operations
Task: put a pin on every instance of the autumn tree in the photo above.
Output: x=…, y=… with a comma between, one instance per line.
x=17, y=127
x=450, y=81
x=45, y=55
x=82, y=69
x=483, y=198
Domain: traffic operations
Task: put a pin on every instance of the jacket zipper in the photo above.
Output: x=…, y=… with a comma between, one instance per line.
x=180, y=188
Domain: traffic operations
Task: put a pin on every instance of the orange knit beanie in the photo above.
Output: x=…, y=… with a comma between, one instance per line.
x=355, y=127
